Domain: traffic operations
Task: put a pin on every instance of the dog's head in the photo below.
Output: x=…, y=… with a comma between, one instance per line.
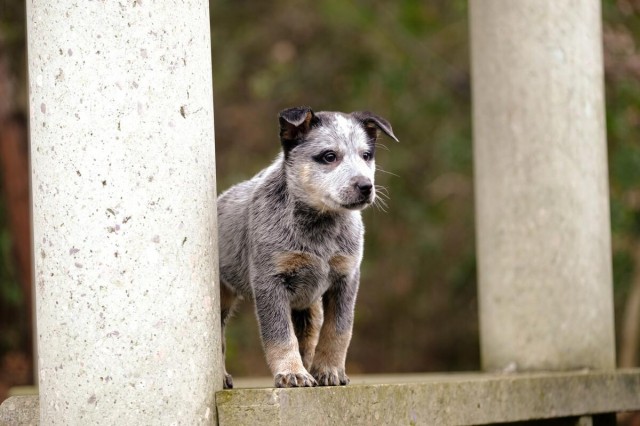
x=330, y=156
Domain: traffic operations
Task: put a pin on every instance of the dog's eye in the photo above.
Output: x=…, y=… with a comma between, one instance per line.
x=329, y=157
x=367, y=156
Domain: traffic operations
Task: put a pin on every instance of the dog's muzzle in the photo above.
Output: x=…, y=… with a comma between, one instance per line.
x=361, y=194
x=365, y=188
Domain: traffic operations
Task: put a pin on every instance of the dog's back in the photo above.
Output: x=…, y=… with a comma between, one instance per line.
x=234, y=207
x=233, y=240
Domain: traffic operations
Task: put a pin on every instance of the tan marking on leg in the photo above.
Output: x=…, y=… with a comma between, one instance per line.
x=283, y=357
x=289, y=262
x=285, y=363
x=309, y=340
x=332, y=346
x=343, y=264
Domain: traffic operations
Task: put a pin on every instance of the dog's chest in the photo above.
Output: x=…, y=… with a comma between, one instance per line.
x=307, y=276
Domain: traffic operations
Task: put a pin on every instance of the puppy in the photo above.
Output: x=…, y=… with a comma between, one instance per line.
x=291, y=240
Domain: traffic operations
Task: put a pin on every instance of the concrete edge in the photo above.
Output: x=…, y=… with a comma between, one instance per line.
x=443, y=399
x=451, y=400
x=20, y=410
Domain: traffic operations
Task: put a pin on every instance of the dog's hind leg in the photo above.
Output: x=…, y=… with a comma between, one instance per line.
x=228, y=302
x=307, y=324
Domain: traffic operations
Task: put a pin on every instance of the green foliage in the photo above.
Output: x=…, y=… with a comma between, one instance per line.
x=408, y=61
x=13, y=44
x=622, y=62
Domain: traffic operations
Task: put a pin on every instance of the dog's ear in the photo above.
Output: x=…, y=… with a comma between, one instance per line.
x=373, y=124
x=294, y=124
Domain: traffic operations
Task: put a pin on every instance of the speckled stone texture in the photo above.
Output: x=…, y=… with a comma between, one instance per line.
x=542, y=203
x=124, y=211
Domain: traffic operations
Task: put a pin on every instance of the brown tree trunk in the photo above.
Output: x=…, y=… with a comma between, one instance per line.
x=14, y=162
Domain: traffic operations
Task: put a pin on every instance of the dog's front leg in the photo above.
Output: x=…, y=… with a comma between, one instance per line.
x=278, y=337
x=329, y=361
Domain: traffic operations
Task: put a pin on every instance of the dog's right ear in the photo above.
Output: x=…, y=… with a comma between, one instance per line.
x=294, y=124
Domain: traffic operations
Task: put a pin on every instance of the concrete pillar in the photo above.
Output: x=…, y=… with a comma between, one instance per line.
x=543, y=228
x=124, y=213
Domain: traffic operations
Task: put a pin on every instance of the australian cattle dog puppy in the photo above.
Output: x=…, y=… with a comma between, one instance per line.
x=291, y=240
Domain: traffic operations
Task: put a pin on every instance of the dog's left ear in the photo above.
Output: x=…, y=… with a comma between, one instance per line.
x=373, y=124
x=294, y=124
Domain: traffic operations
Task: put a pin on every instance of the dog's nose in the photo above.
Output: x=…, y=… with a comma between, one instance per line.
x=364, y=186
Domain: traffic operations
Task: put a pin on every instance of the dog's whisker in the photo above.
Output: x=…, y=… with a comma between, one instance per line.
x=380, y=205
x=381, y=201
x=382, y=188
x=383, y=194
x=378, y=169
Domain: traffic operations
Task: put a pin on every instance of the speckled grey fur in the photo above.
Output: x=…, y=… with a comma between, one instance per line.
x=292, y=237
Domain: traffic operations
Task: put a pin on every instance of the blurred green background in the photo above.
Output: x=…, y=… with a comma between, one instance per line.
x=408, y=61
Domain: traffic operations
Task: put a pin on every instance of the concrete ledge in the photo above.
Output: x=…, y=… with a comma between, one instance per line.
x=456, y=399
x=416, y=399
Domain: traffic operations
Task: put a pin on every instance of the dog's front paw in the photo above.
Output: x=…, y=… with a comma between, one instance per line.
x=330, y=376
x=289, y=379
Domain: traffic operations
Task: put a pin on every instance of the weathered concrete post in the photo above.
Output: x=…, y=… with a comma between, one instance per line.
x=124, y=214
x=542, y=208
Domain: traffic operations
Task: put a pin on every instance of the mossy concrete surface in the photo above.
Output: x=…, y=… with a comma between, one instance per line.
x=416, y=399
x=456, y=399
